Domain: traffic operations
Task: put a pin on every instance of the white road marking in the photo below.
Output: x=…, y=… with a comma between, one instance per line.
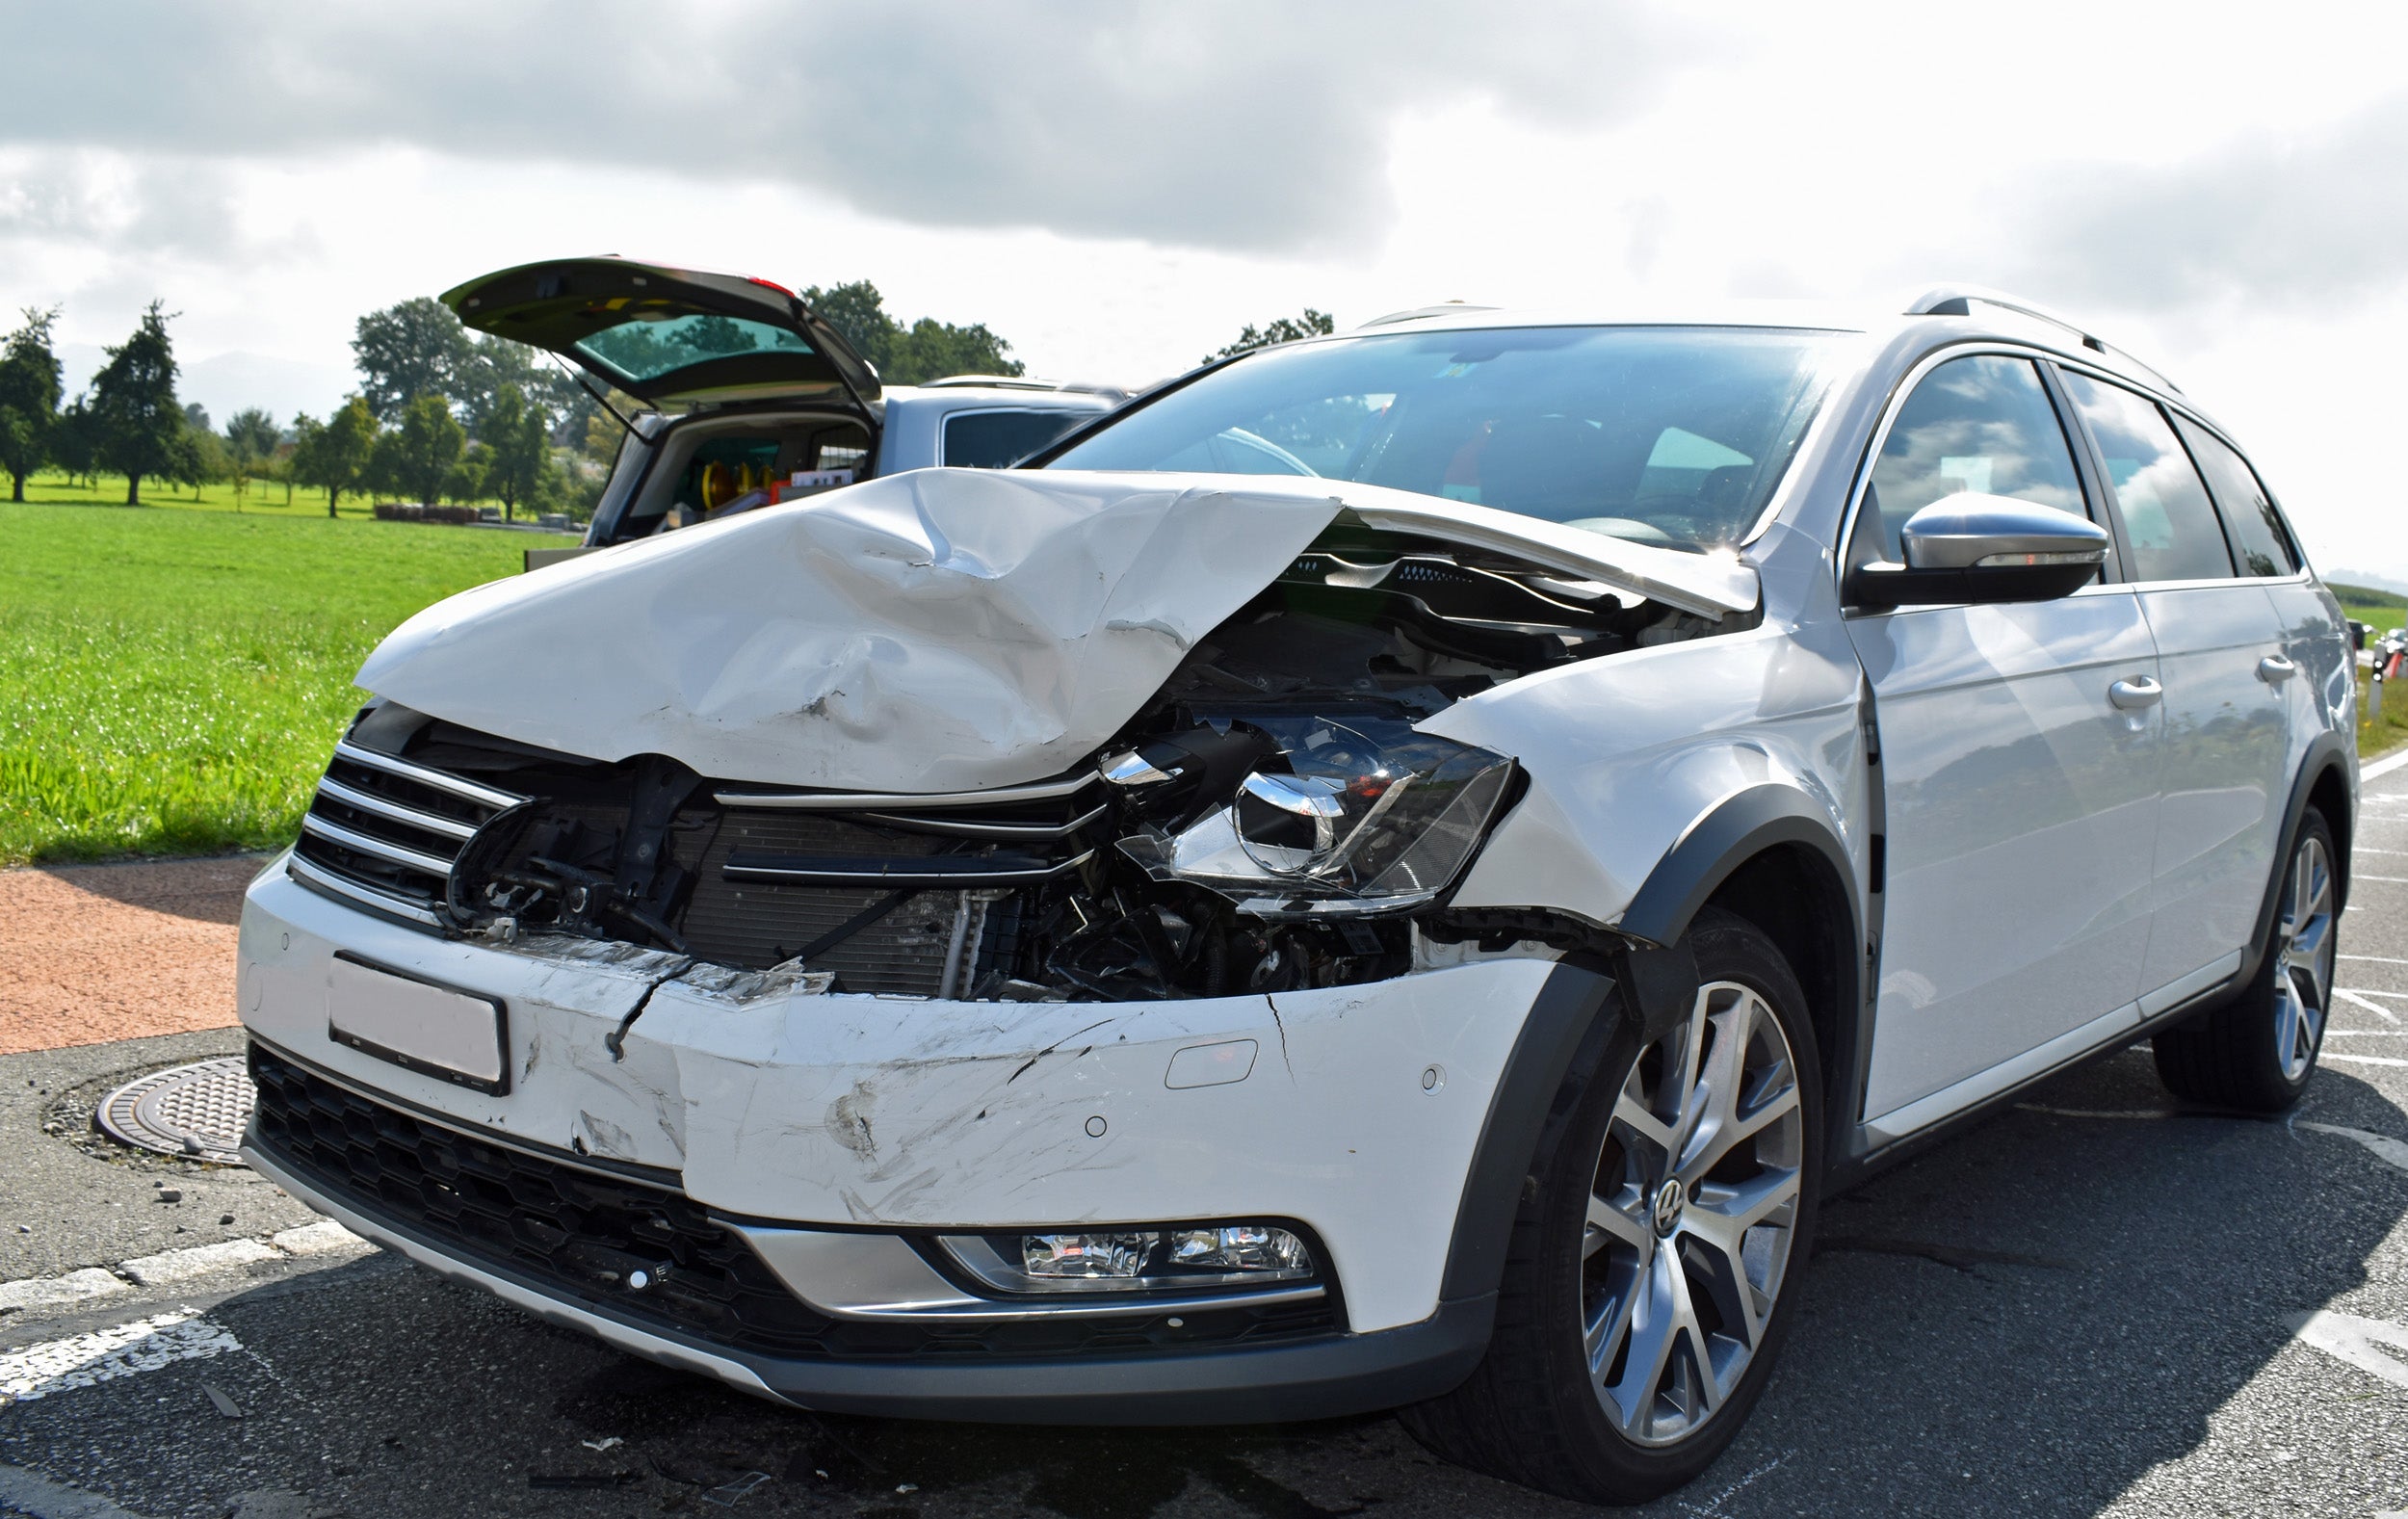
x=2382, y=766
x=2369, y=1344
x=2392, y=1151
x=2375, y=959
x=2367, y=1033
x=2396, y=880
x=2359, y=999
x=128, y=1349
x=325, y=1237
x=1714, y=1505
x=2364, y=1059
x=2088, y=1113
x=2369, y=849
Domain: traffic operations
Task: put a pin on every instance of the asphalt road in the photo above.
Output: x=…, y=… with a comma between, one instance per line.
x=2088, y=1305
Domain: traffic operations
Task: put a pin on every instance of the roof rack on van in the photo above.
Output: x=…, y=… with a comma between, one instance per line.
x=1957, y=301
x=1444, y=309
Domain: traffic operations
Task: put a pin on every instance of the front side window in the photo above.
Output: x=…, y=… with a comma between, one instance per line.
x=992, y=439
x=2259, y=541
x=1982, y=424
x=1675, y=436
x=2166, y=514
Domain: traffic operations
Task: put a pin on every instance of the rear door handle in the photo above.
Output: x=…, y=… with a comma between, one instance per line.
x=2141, y=691
x=2274, y=670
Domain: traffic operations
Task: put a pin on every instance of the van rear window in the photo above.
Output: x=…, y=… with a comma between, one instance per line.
x=644, y=348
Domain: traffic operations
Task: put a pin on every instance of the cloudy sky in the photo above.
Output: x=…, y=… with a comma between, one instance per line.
x=1116, y=188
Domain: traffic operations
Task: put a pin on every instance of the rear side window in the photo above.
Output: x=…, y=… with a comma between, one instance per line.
x=2259, y=541
x=1982, y=424
x=992, y=439
x=2166, y=512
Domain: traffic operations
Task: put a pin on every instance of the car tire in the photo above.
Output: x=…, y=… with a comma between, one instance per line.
x=2255, y=1051
x=1579, y=1394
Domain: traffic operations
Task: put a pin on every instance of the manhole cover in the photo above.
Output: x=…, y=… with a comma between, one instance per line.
x=198, y=1110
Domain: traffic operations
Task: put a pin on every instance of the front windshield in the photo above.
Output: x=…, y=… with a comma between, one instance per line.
x=1668, y=436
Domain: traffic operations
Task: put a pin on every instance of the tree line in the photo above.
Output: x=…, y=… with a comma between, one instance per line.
x=440, y=414
x=436, y=417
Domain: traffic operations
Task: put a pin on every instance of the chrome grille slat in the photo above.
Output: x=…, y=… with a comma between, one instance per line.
x=385, y=832
x=363, y=844
x=312, y=874
x=439, y=780
x=906, y=801
x=329, y=787
x=984, y=830
x=939, y=874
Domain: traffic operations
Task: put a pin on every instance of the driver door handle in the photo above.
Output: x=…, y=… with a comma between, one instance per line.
x=2140, y=691
x=2274, y=670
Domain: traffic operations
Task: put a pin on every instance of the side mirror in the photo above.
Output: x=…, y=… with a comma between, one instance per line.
x=1971, y=547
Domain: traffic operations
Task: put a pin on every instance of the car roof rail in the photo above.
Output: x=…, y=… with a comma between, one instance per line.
x=1958, y=301
x=1444, y=309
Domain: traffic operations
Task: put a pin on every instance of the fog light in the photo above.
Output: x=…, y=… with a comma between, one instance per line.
x=1086, y=1255
x=1254, y=1248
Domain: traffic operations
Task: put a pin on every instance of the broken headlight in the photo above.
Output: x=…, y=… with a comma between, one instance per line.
x=1340, y=817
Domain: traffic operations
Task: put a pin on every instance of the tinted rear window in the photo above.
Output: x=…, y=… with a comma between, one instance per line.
x=2259, y=541
x=646, y=349
x=2166, y=512
x=992, y=439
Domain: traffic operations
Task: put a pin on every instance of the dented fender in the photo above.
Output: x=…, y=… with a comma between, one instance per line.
x=1626, y=755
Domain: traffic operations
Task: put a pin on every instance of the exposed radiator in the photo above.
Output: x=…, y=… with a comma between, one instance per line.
x=909, y=949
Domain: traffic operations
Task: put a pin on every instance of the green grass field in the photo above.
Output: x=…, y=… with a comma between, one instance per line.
x=2385, y=618
x=170, y=681
x=2391, y=730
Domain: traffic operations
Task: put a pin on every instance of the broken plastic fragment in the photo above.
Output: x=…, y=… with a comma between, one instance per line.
x=727, y=1494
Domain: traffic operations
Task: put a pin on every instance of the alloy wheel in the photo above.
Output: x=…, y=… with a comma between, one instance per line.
x=1692, y=1216
x=2303, y=944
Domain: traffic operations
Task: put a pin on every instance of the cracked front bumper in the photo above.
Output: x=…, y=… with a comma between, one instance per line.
x=1357, y=1112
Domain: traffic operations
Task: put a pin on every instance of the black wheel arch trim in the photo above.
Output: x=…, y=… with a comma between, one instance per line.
x=1651, y=982
x=2328, y=754
x=1732, y=832
x=1566, y=1031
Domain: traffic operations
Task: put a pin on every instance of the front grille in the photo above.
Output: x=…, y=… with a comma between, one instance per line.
x=576, y=1233
x=386, y=832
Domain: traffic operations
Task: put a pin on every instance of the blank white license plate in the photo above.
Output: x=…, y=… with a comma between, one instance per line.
x=417, y=1025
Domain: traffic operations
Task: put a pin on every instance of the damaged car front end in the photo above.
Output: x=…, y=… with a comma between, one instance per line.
x=1041, y=946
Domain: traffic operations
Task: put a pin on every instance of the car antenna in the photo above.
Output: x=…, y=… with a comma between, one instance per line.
x=587, y=386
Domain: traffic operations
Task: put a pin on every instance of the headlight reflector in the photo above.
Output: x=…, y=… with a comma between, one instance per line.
x=1367, y=816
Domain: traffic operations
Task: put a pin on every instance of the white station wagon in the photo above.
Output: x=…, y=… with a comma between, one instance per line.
x=1396, y=871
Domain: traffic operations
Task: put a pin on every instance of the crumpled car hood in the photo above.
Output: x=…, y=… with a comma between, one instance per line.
x=939, y=630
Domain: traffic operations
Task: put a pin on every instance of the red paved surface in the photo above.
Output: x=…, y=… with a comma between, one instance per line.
x=89, y=954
